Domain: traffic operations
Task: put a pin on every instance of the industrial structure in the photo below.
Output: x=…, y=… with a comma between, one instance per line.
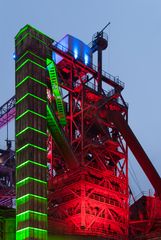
x=72, y=139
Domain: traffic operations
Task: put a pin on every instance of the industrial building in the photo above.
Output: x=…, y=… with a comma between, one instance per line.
x=69, y=172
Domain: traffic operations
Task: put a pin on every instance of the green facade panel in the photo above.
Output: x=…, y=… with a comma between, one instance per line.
x=31, y=137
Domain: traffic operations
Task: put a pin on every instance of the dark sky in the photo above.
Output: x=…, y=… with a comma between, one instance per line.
x=134, y=53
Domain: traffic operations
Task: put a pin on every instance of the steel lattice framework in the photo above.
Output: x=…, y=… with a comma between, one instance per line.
x=7, y=111
x=67, y=120
x=91, y=200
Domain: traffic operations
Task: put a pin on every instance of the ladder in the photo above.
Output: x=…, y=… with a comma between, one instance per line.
x=55, y=89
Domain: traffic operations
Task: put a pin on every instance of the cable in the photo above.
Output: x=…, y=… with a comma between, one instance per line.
x=133, y=175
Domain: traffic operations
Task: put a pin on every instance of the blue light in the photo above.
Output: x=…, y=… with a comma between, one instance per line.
x=14, y=56
x=86, y=59
x=75, y=53
x=54, y=56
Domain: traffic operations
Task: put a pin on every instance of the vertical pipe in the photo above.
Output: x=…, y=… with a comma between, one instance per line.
x=7, y=127
x=99, y=69
x=82, y=123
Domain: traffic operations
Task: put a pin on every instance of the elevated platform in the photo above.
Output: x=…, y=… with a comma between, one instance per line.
x=145, y=219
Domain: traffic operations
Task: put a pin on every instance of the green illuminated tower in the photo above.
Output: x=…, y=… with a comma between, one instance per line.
x=31, y=125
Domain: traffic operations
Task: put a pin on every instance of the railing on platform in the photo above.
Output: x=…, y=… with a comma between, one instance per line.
x=109, y=93
x=7, y=111
x=6, y=107
x=94, y=67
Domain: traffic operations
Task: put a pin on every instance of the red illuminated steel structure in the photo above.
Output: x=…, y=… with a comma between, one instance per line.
x=90, y=197
x=91, y=200
x=97, y=130
x=88, y=186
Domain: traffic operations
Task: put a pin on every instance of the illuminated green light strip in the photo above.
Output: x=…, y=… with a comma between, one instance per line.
x=29, y=60
x=41, y=33
x=30, y=211
x=30, y=128
x=28, y=215
x=27, y=111
x=31, y=195
x=32, y=162
x=32, y=95
x=32, y=234
x=30, y=145
x=34, y=79
x=25, y=36
x=22, y=39
x=53, y=77
x=21, y=31
x=32, y=228
x=31, y=54
x=28, y=26
x=28, y=179
x=50, y=115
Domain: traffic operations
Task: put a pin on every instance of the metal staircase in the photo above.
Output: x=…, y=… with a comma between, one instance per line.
x=59, y=137
x=55, y=88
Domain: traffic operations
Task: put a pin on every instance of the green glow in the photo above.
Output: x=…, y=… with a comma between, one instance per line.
x=21, y=31
x=25, y=216
x=32, y=95
x=31, y=54
x=28, y=179
x=38, y=229
x=29, y=60
x=32, y=162
x=31, y=224
x=27, y=196
x=25, y=36
x=30, y=145
x=40, y=32
x=50, y=116
x=27, y=111
x=31, y=211
x=31, y=232
x=28, y=26
x=34, y=79
x=22, y=39
x=30, y=128
x=55, y=88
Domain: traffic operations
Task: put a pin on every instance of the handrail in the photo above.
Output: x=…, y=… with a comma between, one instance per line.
x=7, y=106
x=55, y=89
x=94, y=67
x=100, y=34
x=108, y=94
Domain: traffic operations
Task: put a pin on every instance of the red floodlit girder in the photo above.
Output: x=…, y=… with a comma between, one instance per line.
x=7, y=117
x=60, y=139
x=136, y=149
x=7, y=113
